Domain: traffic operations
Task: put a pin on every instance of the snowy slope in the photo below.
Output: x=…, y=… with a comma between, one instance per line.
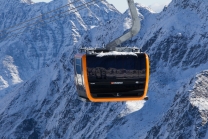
x=23, y=54
x=187, y=117
x=38, y=96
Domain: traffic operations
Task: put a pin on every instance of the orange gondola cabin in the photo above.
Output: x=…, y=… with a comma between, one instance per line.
x=112, y=76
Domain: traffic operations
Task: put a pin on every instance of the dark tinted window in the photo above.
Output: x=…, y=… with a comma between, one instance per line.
x=78, y=61
x=78, y=69
x=128, y=62
x=118, y=62
x=116, y=66
x=78, y=66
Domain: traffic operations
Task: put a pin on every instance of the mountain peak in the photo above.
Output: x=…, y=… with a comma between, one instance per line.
x=14, y=2
x=27, y=1
x=192, y=4
x=143, y=7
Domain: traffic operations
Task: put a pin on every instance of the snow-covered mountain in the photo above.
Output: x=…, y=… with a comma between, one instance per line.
x=188, y=115
x=27, y=49
x=38, y=96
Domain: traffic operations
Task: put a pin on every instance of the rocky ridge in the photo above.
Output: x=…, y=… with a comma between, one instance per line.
x=45, y=105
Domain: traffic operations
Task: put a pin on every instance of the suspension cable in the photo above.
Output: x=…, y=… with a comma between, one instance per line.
x=85, y=4
x=38, y=16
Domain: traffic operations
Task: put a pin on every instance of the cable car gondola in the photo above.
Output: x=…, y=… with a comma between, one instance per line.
x=113, y=73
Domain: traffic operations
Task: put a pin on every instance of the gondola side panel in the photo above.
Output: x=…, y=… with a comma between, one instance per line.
x=78, y=67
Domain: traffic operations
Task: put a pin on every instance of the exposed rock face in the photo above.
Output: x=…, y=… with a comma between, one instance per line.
x=32, y=45
x=188, y=116
x=37, y=92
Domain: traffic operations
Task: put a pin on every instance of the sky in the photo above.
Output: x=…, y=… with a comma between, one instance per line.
x=121, y=5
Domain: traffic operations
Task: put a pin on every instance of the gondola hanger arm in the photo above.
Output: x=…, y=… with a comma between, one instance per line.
x=136, y=25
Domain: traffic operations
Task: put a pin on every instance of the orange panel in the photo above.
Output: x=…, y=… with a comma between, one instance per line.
x=84, y=65
x=147, y=76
